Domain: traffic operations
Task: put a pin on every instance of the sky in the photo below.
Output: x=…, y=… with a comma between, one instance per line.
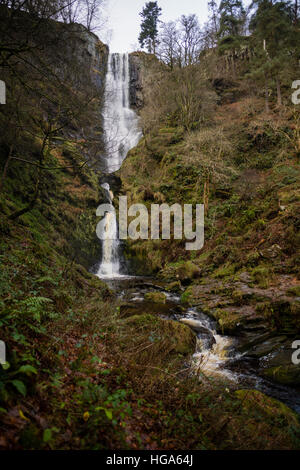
x=123, y=26
x=124, y=20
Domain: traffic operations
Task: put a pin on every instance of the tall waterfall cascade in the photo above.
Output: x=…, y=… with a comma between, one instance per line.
x=121, y=133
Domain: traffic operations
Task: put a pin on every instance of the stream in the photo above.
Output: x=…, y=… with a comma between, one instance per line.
x=216, y=356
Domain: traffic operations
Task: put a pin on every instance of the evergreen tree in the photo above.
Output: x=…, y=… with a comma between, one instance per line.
x=230, y=34
x=149, y=27
x=211, y=28
x=232, y=18
x=275, y=42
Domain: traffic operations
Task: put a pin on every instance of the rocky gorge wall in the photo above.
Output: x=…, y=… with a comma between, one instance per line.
x=70, y=97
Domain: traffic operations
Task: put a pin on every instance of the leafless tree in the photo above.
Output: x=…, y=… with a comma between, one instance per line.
x=180, y=41
x=169, y=44
x=191, y=38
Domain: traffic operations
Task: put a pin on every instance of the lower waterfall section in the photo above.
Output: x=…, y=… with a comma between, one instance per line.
x=110, y=264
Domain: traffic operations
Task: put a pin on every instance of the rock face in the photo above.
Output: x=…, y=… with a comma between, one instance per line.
x=140, y=69
x=136, y=80
x=91, y=53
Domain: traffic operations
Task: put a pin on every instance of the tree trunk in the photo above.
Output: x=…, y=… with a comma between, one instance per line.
x=266, y=95
x=279, y=97
x=6, y=167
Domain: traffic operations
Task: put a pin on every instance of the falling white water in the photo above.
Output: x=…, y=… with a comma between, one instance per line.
x=210, y=358
x=212, y=361
x=110, y=264
x=120, y=123
x=122, y=133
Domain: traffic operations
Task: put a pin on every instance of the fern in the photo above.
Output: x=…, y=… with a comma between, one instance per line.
x=34, y=306
x=36, y=301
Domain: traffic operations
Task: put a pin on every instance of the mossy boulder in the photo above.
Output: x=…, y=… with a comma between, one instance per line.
x=174, y=286
x=188, y=270
x=267, y=406
x=288, y=374
x=167, y=335
x=262, y=276
x=228, y=322
x=187, y=296
x=294, y=291
x=156, y=297
x=184, y=271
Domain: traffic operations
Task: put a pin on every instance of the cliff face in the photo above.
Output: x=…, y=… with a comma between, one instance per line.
x=136, y=80
x=58, y=101
x=91, y=53
x=140, y=67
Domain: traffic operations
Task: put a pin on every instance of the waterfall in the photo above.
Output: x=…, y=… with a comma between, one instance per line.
x=121, y=133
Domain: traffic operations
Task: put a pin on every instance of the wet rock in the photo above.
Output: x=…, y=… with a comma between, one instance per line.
x=288, y=374
x=204, y=334
x=249, y=341
x=266, y=347
x=196, y=325
x=279, y=368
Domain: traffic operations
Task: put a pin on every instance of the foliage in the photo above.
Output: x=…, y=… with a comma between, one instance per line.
x=149, y=27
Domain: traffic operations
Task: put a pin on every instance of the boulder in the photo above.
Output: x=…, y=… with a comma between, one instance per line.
x=280, y=368
x=288, y=374
x=267, y=406
x=170, y=335
x=156, y=297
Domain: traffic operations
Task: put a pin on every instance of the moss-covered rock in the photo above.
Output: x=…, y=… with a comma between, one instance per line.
x=188, y=271
x=174, y=286
x=270, y=407
x=229, y=322
x=288, y=374
x=262, y=275
x=156, y=297
x=294, y=291
x=167, y=334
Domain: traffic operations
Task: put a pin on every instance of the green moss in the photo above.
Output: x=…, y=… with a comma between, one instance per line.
x=186, y=297
x=286, y=374
x=294, y=291
x=262, y=275
x=225, y=271
x=228, y=322
x=156, y=297
x=188, y=270
x=270, y=407
x=174, y=286
x=168, y=335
